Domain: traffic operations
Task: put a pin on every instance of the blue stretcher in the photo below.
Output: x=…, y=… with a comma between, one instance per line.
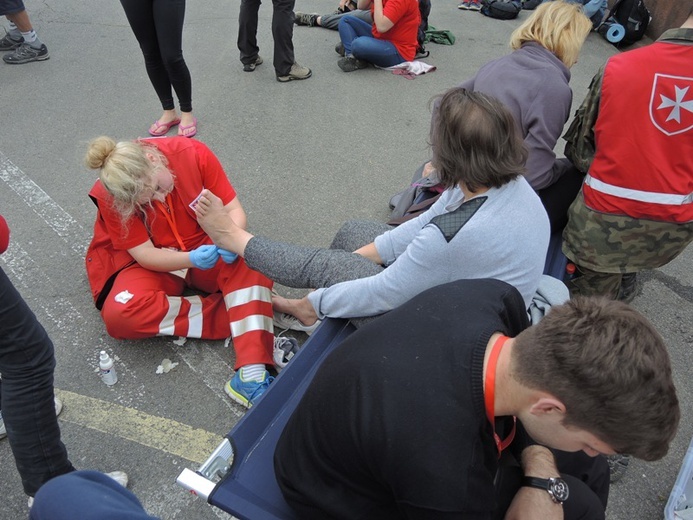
x=239, y=476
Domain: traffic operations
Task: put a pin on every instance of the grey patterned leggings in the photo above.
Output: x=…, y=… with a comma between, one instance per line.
x=311, y=267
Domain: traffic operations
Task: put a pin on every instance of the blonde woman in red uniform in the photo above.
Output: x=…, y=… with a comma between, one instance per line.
x=148, y=249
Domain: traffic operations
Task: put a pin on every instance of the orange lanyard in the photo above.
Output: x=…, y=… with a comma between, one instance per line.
x=171, y=218
x=490, y=395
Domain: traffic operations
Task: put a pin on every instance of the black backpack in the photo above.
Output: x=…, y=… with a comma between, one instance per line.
x=633, y=16
x=501, y=9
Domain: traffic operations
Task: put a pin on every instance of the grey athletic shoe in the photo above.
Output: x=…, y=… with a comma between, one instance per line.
x=309, y=19
x=250, y=67
x=25, y=53
x=297, y=72
x=618, y=464
x=10, y=44
x=339, y=49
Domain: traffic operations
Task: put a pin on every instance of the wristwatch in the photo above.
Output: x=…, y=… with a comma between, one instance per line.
x=557, y=488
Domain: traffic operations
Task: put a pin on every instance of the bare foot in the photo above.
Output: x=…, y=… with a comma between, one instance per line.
x=162, y=125
x=302, y=309
x=214, y=219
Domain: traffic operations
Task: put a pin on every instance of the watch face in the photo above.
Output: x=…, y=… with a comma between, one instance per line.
x=559, y=489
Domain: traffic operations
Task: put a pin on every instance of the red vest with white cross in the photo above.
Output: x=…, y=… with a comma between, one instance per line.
x=643, y=165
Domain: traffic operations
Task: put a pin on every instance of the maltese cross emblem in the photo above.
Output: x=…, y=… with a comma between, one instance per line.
x=671, y=104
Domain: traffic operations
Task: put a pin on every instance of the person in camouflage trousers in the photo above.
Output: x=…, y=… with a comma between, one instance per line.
x=635, y=209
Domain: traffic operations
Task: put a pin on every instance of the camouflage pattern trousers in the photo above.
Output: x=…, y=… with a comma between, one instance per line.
x=604, y=247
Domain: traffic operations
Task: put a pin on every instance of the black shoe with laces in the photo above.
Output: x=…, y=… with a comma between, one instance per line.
x=350, y=64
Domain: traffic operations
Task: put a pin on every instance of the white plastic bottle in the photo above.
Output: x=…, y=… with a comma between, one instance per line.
x=106, y=369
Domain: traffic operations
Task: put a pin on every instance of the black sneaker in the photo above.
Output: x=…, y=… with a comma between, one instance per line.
x=10, y=44
x=350, y=64
x=309, y=19
x=250, y=67
x=25, y=53
x=339, y=49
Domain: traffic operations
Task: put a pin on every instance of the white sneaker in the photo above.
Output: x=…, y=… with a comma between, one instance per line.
x=120, y=477
x=58, y=406
x=285, y=321
x=3, y=430
x=285, y=348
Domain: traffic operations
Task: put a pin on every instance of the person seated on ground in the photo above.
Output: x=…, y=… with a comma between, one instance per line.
x=489, y=223
x=331, y=21
x=532, y=82
x=635, y=209
x=390, y=40
x=368, y=441
x=148, y=249
x=348, y=8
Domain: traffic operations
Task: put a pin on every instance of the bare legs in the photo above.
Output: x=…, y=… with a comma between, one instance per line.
x=21, y=20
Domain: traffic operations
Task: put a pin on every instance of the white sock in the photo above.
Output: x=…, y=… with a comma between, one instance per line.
x=31, y=38
x=253, y=372
x=14, y=33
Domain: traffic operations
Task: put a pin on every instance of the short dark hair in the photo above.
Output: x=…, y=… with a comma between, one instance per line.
x=475, y=140
x=609, y=367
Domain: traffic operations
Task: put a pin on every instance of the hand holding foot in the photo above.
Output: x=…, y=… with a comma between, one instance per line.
x=302, y=309
x=216, y=222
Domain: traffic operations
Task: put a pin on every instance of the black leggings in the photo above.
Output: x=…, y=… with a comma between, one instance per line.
x=158, y=27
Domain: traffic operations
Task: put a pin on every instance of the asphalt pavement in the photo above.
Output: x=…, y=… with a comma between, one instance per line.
x=304, y=157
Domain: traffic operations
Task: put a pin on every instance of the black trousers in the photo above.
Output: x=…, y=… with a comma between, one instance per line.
x=282, y=33
x=26, y=397
x=158, y=27
x=558, y=197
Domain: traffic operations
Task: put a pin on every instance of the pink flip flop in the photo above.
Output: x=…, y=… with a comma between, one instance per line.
x=182, y=129
x=162, y=128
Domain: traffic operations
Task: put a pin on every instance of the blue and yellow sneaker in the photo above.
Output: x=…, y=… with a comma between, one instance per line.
x=247, y=392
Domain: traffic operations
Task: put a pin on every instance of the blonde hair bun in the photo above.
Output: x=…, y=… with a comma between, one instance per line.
x=98, y=151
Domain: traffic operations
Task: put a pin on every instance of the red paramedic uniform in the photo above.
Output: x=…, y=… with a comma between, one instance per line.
x=138, y=303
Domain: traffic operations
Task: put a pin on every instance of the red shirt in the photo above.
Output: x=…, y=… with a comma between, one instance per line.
x=4, y=235
x=405, y=16
x=195, y=167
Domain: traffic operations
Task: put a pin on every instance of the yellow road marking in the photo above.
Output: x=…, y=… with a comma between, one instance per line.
x=182, y=440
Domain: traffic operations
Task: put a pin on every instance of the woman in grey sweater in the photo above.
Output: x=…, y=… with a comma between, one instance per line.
x=489, y=223
x=532, y=82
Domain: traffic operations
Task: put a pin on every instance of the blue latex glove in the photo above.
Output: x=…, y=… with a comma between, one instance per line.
x=204, y=257
x=227, y=256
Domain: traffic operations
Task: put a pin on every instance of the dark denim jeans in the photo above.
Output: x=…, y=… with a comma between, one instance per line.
x=26, y=399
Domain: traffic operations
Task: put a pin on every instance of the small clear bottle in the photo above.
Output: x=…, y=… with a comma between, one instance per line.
x=106, y=369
